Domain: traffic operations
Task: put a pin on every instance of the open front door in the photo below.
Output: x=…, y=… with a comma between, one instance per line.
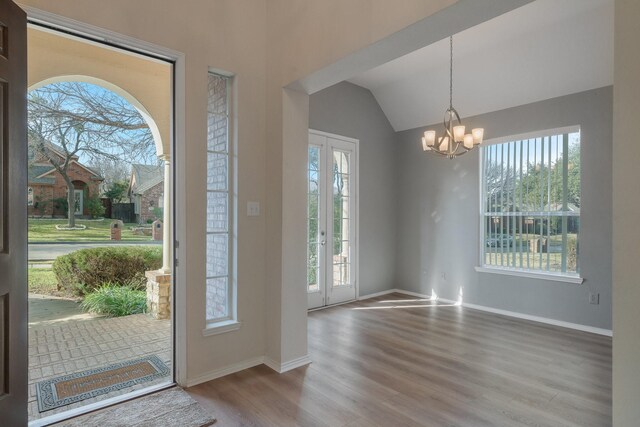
x=13, y=222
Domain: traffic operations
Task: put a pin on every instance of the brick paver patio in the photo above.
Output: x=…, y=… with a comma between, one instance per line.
x=63, y=340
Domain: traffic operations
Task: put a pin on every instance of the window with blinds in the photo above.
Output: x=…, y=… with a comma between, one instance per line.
x=530, y=203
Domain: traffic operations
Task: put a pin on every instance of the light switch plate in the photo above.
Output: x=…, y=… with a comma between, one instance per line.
x=253, y=208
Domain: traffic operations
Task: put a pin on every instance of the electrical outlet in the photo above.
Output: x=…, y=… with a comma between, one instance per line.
x=594, y=298
x=443, y=276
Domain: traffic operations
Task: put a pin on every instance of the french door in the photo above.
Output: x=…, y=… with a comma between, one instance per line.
x=332, y=214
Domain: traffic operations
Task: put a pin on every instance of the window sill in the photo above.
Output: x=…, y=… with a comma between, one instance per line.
x=532, y=274
x=221, y=328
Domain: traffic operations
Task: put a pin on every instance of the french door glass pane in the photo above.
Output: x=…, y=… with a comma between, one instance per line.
x=313, y=219
x=341, y=218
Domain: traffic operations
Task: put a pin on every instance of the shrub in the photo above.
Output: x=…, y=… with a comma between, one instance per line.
x=158, y=213
x=114, y=300
x=83, y=271
x=95, y=207
x=61, y=203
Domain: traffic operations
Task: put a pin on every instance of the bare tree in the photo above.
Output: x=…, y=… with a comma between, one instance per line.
x=79, y=120
x=112, y=171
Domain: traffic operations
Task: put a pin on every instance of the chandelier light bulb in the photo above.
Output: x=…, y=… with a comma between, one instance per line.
x=458, y=133
x=468, y=141
x=430, y=137
x=425, y=147
x=444, y=143
x=478, y=134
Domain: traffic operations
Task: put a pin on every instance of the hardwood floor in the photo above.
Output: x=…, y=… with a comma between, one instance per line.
x=400, y=361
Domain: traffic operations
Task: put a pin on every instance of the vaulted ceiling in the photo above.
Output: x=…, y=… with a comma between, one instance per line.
x=545, y=49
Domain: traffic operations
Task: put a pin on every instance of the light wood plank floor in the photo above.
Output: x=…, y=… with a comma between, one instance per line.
x=397, y=361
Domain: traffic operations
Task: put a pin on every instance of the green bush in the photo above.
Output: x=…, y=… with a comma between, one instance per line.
x=115, y=300
x=95, y=207
x=83, y=271
x=61, y=203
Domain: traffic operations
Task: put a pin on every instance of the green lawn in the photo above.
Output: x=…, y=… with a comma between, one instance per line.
x=42, y=281
x=44, y=230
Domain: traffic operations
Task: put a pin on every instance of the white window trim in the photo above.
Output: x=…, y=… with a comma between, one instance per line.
x=221, y=327
x=542, y=275
x=530, y=135
x=530, y=274
x=230, y=322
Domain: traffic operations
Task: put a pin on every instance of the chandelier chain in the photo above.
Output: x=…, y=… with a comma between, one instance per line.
x=451, y=71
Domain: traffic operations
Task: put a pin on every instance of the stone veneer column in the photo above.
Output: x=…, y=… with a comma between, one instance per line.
x=159, y=281
x=158, y=294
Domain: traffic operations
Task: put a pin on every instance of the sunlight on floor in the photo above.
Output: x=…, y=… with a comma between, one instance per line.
x=406, y=306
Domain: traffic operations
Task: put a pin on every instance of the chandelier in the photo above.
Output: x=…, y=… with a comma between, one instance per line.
x=453, y=141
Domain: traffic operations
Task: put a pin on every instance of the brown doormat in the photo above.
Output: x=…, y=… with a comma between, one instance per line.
x=168, y=408
x=68, y=389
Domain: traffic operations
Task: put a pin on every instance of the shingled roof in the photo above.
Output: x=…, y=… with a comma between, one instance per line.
x=34, y=171
x=144, y=177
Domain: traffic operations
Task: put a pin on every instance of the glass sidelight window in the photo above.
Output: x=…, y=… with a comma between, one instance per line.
x=219, y=292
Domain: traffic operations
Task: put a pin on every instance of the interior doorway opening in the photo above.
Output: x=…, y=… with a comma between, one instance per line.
x=100, y=288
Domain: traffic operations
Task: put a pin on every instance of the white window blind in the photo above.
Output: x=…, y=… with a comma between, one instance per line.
x=530, y=204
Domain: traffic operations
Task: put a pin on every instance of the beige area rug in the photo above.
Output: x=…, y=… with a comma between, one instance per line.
x=168, y=408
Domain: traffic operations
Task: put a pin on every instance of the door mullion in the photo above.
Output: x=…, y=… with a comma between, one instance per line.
x=328, y=221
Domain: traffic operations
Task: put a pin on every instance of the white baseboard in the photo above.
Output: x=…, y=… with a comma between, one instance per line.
x=412, y=294
x=281, y=368
x=227, y=370
x=561, y=323
x=377, y=294
x=246, y=364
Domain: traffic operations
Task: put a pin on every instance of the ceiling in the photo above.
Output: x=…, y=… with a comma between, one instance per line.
x=545, y=49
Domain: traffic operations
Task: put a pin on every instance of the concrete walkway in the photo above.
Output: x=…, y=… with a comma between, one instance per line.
x=63, y=340
x=50, y=310
x=50, y=251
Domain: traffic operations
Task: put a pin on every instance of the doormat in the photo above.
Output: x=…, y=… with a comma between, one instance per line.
x=68, y=389
x=167, y=408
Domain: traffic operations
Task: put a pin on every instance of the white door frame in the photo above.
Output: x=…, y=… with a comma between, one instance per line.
x=356, y=171
x=177, y=151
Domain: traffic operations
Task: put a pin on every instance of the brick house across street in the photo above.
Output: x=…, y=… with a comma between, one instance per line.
x=47, y=190
x=146, y=190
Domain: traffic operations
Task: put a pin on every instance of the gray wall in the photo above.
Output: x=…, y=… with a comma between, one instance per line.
x=438, y=208
x=349, y=110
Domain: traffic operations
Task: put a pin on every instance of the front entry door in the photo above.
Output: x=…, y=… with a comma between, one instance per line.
x=331, y=219
x=13, y=222
x=79, y=201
